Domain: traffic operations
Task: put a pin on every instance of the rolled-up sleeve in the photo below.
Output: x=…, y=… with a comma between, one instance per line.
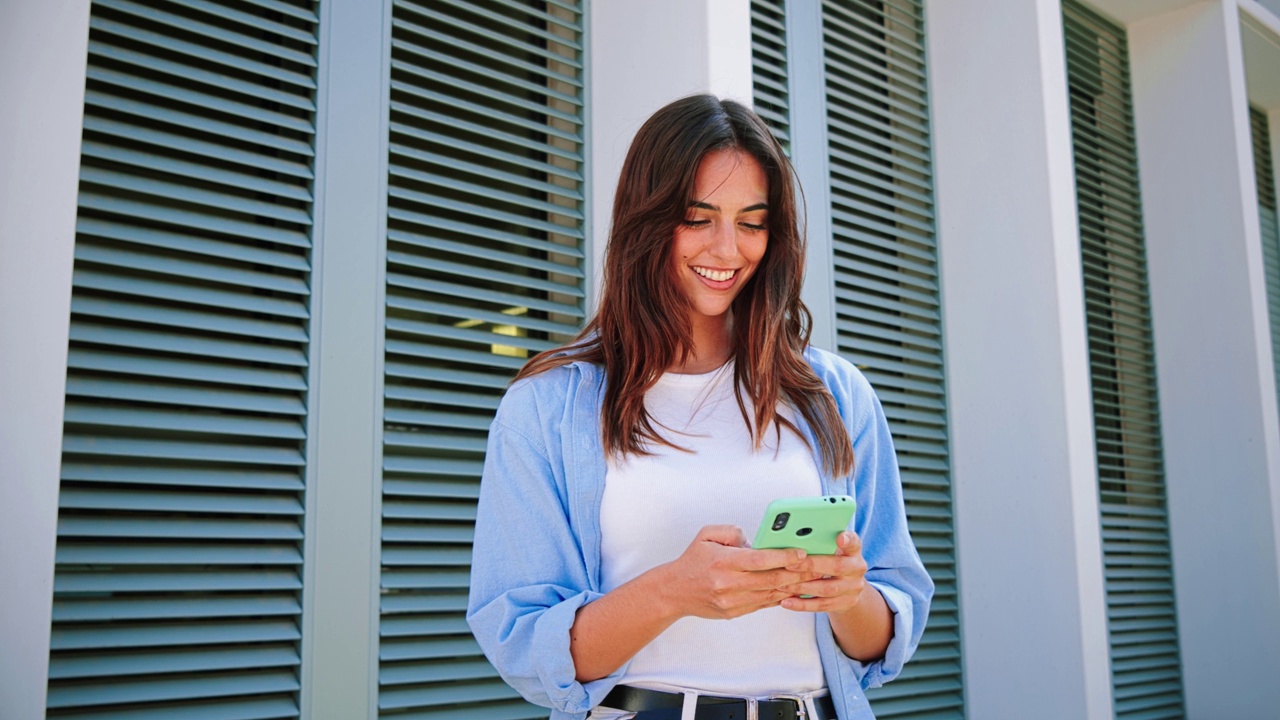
x=528, y=576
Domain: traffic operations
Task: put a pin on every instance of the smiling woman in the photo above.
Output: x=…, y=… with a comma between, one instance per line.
x=610, y=572
x=717, y=248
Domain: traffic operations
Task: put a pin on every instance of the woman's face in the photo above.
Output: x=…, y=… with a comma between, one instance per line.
x=724, y=234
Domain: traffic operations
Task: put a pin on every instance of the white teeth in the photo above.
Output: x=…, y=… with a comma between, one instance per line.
x=716, y=275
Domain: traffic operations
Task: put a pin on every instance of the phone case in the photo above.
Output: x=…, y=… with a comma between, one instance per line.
x=810, y=523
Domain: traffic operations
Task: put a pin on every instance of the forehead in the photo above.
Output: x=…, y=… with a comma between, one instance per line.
x=730, y=172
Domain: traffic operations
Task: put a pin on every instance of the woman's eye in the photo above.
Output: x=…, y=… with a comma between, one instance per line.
x=696, y=223
x=751, y=226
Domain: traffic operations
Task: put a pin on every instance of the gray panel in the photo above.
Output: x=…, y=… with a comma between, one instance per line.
x=177, y=581
x=485, y=267
x=888, y=315
x=1142, y=622
x=1264, y=173
x=769, y=74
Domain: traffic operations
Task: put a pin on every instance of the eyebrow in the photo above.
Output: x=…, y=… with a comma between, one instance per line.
x=713, y=208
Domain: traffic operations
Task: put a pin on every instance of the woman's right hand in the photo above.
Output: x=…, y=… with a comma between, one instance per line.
x=719, y=577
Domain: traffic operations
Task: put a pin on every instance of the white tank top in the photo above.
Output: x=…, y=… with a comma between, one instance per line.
x=653, y=507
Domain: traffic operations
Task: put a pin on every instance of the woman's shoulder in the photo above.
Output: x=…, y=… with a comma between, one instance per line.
x=535, y=395
x=854, y=396
x=838, y=374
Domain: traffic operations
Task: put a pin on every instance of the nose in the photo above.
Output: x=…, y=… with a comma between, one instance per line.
x=724, y=241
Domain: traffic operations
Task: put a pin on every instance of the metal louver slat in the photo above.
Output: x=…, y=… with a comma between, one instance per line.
x=887, y=300
x=177, y=587
x=1265, y=176
x=203, y=660
x=484, y=268
x=1135, y=533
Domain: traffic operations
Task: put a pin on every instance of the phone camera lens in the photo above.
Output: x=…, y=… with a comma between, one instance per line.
x=780, y=521
x=804, y=531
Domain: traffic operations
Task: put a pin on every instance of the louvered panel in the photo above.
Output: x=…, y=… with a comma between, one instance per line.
x=888, y=319
x=484, y=268
x=1265, y=176
x=177, y=580
x=770, y=79
x=1142, y=622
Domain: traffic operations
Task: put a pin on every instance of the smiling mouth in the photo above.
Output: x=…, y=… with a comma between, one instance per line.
x=715, y=275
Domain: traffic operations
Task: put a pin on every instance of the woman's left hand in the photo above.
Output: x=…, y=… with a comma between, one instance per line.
x=860, y=618
x=843, y=585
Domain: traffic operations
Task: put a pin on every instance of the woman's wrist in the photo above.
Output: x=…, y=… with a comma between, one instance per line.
x=863, y=631
x=661, y=585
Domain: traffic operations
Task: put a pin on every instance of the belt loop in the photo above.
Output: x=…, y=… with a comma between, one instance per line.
x=690, y=707
x=753, y=709
x=810, y=709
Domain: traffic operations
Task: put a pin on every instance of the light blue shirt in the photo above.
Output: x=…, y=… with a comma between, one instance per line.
x=536, y=556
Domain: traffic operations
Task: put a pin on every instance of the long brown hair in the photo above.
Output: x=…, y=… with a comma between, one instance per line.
x=642, y=326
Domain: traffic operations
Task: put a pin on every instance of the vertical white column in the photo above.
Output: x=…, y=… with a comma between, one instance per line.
x=642, y=56
x=43, y=56
x=340, y=645
x=806, y=66
x=1217, y=392
x=1025, y=482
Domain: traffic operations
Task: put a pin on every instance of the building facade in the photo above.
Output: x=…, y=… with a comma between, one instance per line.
x=266, y=268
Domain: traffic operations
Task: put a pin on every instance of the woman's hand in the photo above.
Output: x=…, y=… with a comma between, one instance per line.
x=860, y=617
x=718, y=576
x=841, y=583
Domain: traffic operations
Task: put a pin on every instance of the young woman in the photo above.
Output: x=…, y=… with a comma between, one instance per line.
x=610, y=570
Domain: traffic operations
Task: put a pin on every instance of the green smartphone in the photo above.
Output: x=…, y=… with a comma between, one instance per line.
x=809, y=523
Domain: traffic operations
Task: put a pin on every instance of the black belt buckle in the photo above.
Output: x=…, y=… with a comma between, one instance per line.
x=802, y=710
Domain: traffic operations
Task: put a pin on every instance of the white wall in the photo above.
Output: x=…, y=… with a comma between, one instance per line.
x=1032, y=605
x=43, y=52
x=1217, y=392
x=643, y=55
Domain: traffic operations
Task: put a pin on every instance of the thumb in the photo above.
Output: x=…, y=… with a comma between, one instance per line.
x=848, y=543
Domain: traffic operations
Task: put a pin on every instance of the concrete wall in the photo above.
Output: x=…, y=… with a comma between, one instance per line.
x=1217, y=391
x=1028, y=537
x=43, y=51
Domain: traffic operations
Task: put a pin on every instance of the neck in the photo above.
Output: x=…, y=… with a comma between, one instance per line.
x=712, y=346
